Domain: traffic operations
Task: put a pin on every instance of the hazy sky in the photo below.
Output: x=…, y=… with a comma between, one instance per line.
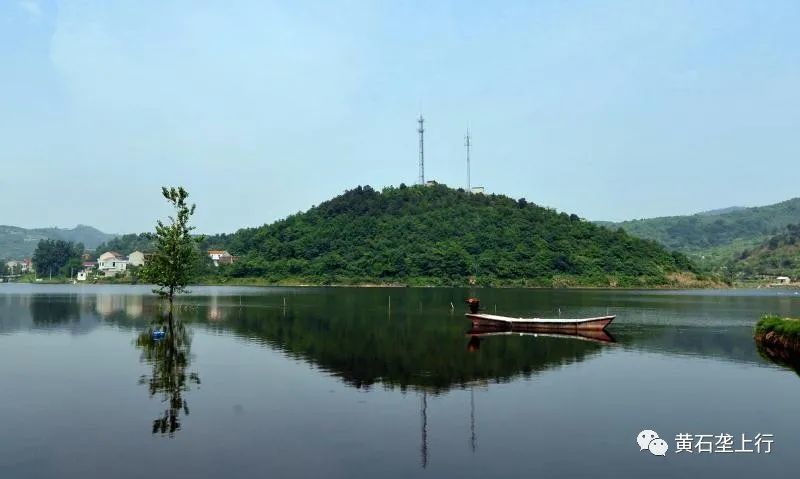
x=611, y=110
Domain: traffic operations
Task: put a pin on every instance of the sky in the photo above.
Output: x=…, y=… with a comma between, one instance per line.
x=610, y=109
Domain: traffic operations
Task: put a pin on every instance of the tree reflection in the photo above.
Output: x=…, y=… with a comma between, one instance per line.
x=51, y=310
x=169, y=356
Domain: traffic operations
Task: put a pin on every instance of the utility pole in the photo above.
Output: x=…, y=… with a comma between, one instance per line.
x=468, y=143
x=421, y=131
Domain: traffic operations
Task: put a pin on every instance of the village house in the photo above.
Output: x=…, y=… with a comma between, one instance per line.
x=219, y=256
x=137, y=258
x=88, y=267
x=19, y=266
x=112, y=263
x=14, y=267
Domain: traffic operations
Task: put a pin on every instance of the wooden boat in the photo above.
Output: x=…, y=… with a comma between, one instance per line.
x=554, y=325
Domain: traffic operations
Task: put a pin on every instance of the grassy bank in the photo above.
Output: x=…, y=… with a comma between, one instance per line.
x=778, y=339
x=787, y=328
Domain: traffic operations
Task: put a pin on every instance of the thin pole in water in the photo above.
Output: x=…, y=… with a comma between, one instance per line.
x=424, y=415
x=473, y=437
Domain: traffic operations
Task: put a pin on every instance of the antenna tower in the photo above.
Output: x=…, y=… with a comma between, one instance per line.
x=468, y=144
x=421, y=131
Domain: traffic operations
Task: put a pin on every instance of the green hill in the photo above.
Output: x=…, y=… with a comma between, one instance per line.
x=18, y=243
x=777, y=256
x=718, y=234
x=126, y=244
x=438, y=235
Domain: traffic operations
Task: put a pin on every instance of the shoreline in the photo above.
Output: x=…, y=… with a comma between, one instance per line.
x=262, y=284
x=778, y=338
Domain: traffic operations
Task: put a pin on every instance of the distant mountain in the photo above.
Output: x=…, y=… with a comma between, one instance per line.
x=18, y=243
x=728, y=229
x=722, y=211
x=439, y=235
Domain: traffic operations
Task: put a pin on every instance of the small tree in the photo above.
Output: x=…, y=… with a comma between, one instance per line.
x=171, y=265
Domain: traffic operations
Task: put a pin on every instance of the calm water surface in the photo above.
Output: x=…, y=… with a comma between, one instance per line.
x=338, y=384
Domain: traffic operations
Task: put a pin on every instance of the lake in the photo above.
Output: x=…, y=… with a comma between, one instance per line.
x=385, y=382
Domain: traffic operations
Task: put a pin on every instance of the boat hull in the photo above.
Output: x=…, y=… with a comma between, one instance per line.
x=503, y=323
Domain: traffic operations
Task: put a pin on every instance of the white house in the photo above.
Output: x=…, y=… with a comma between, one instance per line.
x=216, y=254
x=14, y=266
x=88, y=267
x=136, y=258
x=219, y=256
x=783, y=280
x=18, y=267
x=111, y=263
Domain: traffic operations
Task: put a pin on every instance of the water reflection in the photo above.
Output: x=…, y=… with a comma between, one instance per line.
x=406, y=351
x=476, y=335
x=780, y=356
x=415, y=341
x=169, y=354
x=50, y=310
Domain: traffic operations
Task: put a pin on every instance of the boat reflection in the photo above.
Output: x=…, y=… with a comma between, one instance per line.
x=477, y=334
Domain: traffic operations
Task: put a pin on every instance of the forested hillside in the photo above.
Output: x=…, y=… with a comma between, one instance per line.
x=779, y=255
x=438, y=235
x=127, y=244
x=727, y=230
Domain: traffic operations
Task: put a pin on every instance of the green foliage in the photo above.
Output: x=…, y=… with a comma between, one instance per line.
x=705, y=232
x=175, y=258
x=437, y=235
x=786, y=327
x=127, y=244
x=57, y=257
x=779, y=255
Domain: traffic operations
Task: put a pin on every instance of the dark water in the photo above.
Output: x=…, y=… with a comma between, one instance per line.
x=337, y=384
